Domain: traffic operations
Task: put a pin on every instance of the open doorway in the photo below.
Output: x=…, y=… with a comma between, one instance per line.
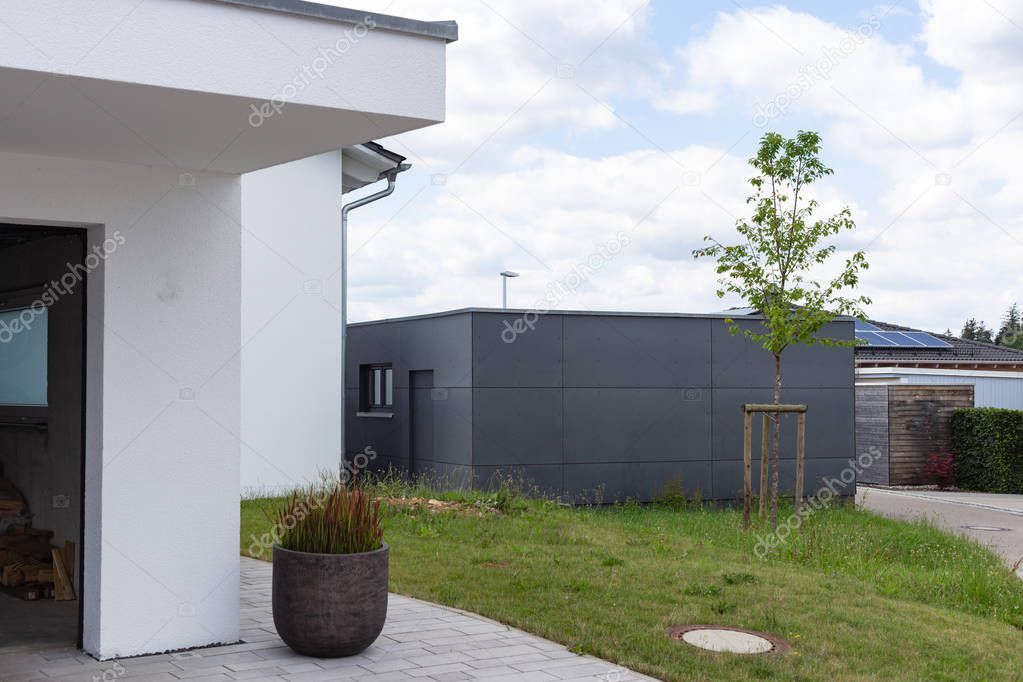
x=43, y=280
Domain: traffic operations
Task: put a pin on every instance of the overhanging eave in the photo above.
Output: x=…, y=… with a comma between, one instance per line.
x=217, y=86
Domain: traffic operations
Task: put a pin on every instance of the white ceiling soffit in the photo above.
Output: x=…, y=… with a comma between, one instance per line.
x=204, y=85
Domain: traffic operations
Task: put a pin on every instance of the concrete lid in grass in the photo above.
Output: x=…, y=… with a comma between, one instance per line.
x=723, y=639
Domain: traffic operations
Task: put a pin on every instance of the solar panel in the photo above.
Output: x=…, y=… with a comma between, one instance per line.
x=900, y=339
x=865, y=327
x=895, y=339
x=927, y=339
x=874, y=339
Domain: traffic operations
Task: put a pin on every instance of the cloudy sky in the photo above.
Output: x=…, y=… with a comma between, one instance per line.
x=579, y=127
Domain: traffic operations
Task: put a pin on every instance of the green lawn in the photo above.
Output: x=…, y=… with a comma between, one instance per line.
x=858, y=596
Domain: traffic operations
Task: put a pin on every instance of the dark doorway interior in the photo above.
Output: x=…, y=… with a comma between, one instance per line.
x=43, y=277
x=421, y=418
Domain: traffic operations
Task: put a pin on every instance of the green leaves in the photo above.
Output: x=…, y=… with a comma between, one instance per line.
x=782, y=246
x=987, y=444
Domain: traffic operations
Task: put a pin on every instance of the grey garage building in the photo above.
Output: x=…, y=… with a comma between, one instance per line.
x=581, y=402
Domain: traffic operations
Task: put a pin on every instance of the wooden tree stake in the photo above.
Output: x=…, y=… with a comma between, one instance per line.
x=800, y=457
x=765, y=445
x=747, y=455
x=747, y=474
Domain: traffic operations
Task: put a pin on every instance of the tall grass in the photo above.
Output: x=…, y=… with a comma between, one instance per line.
x=329, y=520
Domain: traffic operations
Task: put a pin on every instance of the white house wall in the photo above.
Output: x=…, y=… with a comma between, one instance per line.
x=291, y=357
x=990, y=389
x=163, y=394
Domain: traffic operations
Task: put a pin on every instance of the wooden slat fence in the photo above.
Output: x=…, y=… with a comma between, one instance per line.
x=907, y=424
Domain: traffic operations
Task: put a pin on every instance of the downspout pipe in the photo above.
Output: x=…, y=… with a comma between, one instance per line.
x=392, y=177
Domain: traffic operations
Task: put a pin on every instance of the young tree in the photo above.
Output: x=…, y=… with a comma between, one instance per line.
x=976, y=331
x=782, y=247
x=1009, y=333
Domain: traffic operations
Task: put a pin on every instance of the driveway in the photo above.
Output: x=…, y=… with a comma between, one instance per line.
x=994, y=520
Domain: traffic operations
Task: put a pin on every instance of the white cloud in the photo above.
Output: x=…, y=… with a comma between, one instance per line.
x=550, y=220
x=947, y=236
x=773, y=62
x=974, y=37
x=687, y=101
x=943, y=234
x=524, y=67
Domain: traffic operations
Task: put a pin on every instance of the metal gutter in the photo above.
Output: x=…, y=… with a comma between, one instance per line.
x=391, y=176
x=443, y=30
x=365, y=164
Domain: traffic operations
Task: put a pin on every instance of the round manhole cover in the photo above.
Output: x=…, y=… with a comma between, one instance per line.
x=994, y=529
x=728, y=640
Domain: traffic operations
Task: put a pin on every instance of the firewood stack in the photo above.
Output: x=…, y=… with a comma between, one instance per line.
x=30, y=567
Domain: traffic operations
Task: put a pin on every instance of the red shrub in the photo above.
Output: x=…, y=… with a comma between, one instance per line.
x=939, y=469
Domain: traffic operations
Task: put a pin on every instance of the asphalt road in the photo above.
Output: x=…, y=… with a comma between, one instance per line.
x=994, y=520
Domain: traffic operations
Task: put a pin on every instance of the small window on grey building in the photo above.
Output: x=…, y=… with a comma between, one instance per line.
x=376, y=390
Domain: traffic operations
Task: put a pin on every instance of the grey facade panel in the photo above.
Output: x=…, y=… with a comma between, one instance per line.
x=447, y=476
x=517, y=426
x=442, y=344
x=740, y=363
x=452, y=410
x=637, y=424
x=390, y=438
x=636, y=352
x=820, y=472
x=642, y=481
x=385, y=437
x=508, y=353
x=539, y=480
x=384, y=464
x=368, y=345
x=830, y=428
x=627, y=404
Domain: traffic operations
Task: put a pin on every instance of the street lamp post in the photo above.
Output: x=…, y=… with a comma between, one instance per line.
x=504, y=286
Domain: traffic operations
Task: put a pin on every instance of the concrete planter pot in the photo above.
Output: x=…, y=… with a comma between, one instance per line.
x=329, y=605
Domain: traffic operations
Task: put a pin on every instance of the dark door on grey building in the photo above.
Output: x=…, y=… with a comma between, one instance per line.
x=421, y=418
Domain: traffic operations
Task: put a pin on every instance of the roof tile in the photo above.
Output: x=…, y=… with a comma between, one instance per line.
x=962, y=350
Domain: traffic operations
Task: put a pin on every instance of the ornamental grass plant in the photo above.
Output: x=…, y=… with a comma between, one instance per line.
x=331, y=518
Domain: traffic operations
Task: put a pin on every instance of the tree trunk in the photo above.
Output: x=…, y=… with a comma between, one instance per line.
x=775, y=445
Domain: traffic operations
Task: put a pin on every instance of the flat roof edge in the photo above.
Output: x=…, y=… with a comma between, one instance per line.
x=443, y=30
x=406, y=318
x=604, y=313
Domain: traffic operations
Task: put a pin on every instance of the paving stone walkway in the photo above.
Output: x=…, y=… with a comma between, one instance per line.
x=421, y=641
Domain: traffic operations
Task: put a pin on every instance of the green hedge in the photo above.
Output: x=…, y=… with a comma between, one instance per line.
x=987, y=444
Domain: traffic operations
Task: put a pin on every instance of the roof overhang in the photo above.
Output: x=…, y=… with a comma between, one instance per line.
x=962, y=370
x=219, y=85
x=364, y=164
x=963, y=364
x=445, y=30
